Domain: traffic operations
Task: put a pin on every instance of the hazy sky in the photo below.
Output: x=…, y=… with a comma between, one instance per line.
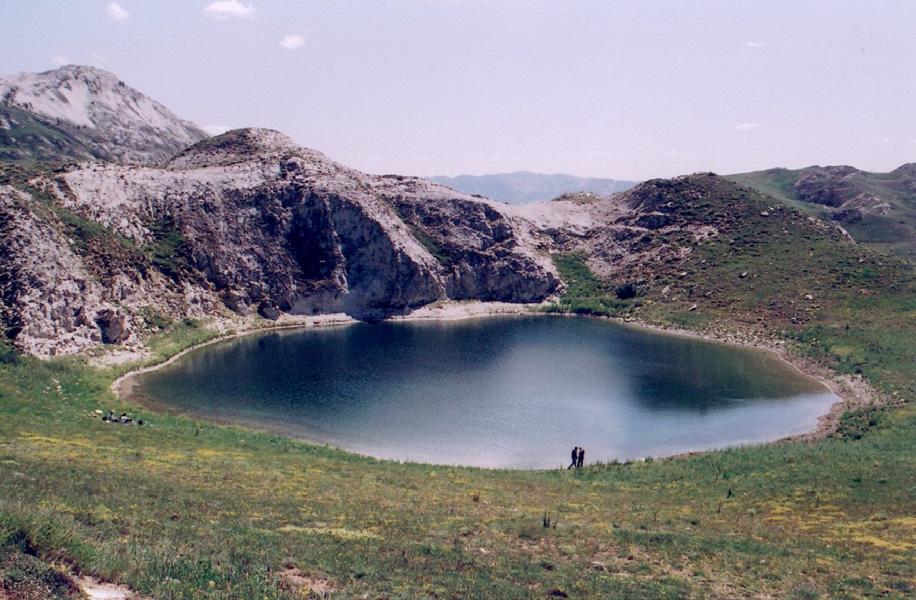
x=628, y=90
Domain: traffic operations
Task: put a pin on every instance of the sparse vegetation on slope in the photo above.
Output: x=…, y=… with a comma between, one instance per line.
x=774, y=272
x=168, y=252
x=27, y=137
x=587, y=294
x=878, y=209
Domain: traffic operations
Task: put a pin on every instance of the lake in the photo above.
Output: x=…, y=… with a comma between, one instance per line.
x=514, y=392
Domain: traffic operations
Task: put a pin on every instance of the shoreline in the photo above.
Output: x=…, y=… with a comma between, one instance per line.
x=123, y=384
x=851, y=392
x=450, y=311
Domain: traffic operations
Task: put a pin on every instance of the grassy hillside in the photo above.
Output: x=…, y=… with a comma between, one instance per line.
x=184, y=509
x=847, y=195
x=26, y=137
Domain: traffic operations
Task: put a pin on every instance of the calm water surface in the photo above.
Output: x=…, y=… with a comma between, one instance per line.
x=496, y=392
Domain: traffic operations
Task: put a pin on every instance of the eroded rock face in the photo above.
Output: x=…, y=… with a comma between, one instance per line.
x=478, y=249
x=49, y=298
x=829, y=186
x=113, y=326
x=250, y=223
x=61, y=293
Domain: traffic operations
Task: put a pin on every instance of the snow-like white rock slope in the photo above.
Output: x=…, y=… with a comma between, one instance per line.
x=119, y=119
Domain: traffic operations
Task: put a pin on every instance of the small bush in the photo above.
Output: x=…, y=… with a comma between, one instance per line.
x=24, y=575
x=8, y=354
x=169, y=252
x=154, y=318
x=625, y=291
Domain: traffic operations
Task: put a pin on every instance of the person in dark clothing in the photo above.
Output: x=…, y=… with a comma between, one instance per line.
x=580, y=459
x=575, y=456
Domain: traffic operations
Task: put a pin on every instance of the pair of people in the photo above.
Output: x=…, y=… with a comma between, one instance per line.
x=578, y=458
x=111, y=418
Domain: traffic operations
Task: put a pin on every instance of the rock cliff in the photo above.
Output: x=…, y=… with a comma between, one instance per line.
x=250, y=223
x=244, y=222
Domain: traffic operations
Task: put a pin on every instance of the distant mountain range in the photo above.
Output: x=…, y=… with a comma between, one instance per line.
x=525, y=187
x=878, y=209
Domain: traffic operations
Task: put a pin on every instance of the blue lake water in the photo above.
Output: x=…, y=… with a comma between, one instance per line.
x=495, y=392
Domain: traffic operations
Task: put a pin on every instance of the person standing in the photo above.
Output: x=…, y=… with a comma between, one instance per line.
x=575, y=457
x=580, y=458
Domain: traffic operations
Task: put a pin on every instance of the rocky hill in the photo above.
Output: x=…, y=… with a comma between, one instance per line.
x=247, y=221
x=878, y=209
x=79, y=112
x=525, y=187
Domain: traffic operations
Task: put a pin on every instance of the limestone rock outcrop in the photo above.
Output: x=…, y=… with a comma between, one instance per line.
x=247, y=222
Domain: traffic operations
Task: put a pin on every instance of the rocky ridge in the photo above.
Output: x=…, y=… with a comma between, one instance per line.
x=246, y=222
x=250, y=223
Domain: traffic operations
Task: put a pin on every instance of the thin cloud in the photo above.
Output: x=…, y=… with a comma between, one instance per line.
x=117, y=12
x=60, y=60
x=229, y=9
x=748, y=126
x=753, y=44
x=291, y=42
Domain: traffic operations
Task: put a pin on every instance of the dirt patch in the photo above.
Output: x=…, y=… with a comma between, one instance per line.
x=96, y=590
x=306, y=585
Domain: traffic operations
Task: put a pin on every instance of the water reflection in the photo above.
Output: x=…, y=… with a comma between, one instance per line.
x=495, y=392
